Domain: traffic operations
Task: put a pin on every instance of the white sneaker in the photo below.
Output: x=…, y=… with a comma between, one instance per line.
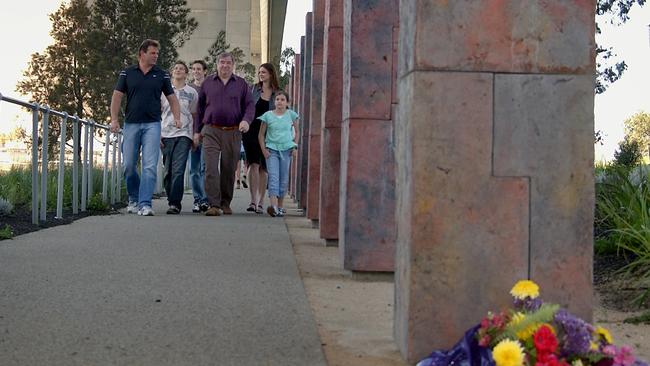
x=145, y=211
x=132, y=207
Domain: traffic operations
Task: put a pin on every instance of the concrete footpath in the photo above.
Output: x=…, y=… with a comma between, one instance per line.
x=165, y=290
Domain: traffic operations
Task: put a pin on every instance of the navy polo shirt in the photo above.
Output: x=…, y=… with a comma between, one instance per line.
x=143, y=93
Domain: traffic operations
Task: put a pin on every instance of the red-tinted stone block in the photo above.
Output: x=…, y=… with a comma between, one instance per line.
x=313, y=195
x=330, y=172
x=367, y=206
x=319, y=26
x=367, y=196
x=332, y=103
x=331, y=120
x=552, y=36
x=462, y=234
x=333, y=14
x=313, y=177
x=554, y=148
x=305, y=115
x=370, y=25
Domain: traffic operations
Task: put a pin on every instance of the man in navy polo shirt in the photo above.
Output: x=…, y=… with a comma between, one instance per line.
x=143, y=84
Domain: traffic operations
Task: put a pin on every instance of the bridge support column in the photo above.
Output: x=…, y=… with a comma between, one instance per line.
x=494, y=162
x=313, y=175
x=367, y=196
x=330, y=168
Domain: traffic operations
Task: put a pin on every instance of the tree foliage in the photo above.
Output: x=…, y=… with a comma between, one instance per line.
x=284, y=65
x=637, y=129
x=118, y=27
x=628, y=154
x=58, y=77
x=609, y=69
x=78, y=71
x=221, y=45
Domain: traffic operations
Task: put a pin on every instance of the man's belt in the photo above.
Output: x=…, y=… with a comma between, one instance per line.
x=224, y=128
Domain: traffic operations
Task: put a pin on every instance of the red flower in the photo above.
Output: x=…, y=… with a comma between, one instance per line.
x=544, y=340
x=549, y=359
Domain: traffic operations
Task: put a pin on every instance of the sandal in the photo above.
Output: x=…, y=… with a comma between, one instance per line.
x=260, y=209
x=251, y=207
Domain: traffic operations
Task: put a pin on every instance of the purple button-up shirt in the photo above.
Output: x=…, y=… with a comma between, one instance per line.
x=224, y=105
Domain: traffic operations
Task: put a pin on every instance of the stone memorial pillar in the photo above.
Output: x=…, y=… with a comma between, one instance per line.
x=296, y=106
x=367, y=188
x=494, y=162
x=305, y=108
x=330, y=168
x=313, y=176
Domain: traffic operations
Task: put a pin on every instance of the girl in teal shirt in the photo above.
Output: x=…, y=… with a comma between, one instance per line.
x=278, y=137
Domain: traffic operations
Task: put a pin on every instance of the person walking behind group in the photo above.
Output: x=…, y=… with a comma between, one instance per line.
x=264, y=99
x=143, y=85
x=225, y=110
x=279, y=141
x=241, y=165
x=197, y=163
x=175, y=142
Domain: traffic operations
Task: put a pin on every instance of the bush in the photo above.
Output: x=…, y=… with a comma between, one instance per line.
x=16, y=186
x=623, y=219
x=97, y=204
x=628, y=153
x=6, y=207
x=6, y=233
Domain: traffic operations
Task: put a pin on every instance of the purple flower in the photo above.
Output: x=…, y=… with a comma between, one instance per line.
x=528, y=304
x=576, y=338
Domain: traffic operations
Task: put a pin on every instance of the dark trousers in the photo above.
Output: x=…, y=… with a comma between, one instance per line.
x=175, y=151
x=221, y=153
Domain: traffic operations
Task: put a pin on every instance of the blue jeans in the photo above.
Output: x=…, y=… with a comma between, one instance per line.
x=197, y=175
x=145, y=137
x=277, y=165
x=175, y=151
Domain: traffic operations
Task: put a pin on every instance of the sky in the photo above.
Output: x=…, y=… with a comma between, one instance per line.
x=631, y=41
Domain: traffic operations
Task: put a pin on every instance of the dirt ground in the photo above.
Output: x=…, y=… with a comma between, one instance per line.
x=354, y=313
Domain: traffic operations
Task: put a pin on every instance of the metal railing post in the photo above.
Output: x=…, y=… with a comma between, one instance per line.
x=35, y=164
x=44, y=165
x=59, y=192
x=113, y=162
x=105, y=175
x=75, y=165
x=84, y=168
x=120, y=174
x=91, y=159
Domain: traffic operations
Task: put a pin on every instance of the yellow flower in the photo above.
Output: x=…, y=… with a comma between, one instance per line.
x=577, y=362
x=524, y=289
x=603, y=333
x=508, y=353
x=527, y=332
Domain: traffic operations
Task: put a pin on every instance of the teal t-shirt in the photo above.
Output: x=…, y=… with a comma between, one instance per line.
x=279, y=130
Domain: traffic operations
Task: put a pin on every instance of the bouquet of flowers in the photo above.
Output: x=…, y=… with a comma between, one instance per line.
x=534, y=333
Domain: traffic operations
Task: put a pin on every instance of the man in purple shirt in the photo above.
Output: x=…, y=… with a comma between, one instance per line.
x=225, y=111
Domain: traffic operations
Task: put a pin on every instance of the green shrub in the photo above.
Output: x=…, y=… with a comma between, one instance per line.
x=6, y=207
x=16, y=186
x=623, y=219
x=628, y=153
x=6, y=233
x=97, y=204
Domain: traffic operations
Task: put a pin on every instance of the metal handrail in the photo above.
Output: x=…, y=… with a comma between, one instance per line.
x=89, y=127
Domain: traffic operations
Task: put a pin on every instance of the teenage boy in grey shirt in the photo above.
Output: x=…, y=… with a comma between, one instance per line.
x=176, y=142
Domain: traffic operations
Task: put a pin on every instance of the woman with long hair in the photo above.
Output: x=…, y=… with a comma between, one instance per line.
x=263, y=97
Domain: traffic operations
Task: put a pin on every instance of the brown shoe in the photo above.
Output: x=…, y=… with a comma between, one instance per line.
x=213, y=211
x=227, y=210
